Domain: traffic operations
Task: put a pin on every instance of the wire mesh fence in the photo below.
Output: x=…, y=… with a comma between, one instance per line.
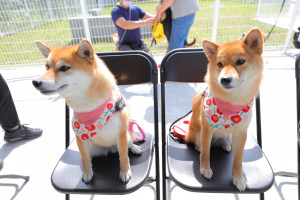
x=66, y=22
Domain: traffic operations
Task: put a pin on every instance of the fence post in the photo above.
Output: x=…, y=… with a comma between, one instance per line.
x=258, y=8
x=28, y=12
x=85, y=21
x=215, y=21
x=295, y=4
x=50, y=10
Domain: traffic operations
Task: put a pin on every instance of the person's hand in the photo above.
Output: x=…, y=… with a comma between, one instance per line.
x=149, y=22
x=157, y=17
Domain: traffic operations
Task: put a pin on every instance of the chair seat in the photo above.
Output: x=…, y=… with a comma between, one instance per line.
x=184, y=168
x=66, y=177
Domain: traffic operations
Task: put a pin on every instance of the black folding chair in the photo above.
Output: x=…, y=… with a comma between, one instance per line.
x=189, y=66
x=129, y=68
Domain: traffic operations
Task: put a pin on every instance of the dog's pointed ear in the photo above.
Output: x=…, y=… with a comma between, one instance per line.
x=210, y=48
x=254, y=40
x=45, y=50
x=85, y=50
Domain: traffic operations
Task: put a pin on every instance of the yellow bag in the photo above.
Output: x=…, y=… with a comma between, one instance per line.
x=158, y=32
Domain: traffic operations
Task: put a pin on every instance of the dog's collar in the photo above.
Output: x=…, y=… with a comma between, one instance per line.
x=226, y=118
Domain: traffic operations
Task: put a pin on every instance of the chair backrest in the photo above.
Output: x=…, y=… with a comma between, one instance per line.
x=131, y=67
x=184, y=65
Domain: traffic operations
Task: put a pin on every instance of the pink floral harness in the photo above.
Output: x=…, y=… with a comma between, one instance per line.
x=217, y=118
x=87, y=124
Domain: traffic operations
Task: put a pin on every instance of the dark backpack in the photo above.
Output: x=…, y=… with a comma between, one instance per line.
x=297, y=39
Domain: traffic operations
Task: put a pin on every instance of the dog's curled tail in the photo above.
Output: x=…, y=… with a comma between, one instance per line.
x=189, y=45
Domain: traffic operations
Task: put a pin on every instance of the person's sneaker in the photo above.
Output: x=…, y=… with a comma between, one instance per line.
x=23, y=132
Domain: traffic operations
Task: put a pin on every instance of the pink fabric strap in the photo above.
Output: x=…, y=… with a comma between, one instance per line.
x=227, y=108
x=89, y=118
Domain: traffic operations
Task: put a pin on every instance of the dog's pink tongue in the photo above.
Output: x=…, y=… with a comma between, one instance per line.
x=227, y=108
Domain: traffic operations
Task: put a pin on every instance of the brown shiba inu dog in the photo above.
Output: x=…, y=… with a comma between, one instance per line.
x=101, y=116
x=223, y=110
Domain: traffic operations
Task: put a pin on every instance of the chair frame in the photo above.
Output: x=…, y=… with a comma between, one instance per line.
x=154, y=81
x=164, y=135
x=295, y=174
x=297, y=71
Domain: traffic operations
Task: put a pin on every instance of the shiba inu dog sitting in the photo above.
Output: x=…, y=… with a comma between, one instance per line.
x=101, y=115
x=223, y=111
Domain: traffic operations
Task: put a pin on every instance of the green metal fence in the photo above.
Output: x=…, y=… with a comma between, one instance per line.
x=66, y=22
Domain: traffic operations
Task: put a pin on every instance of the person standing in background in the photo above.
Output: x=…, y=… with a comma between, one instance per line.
x=183, y=15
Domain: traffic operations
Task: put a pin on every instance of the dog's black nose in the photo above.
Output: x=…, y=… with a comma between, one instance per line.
x=36, y=83
x=226, y=81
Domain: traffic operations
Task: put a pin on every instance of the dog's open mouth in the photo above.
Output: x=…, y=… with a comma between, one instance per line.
x=49, y=92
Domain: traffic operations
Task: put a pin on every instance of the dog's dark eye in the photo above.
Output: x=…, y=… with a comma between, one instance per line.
x=47, y=67
x=64, y=68
x=219, y=64
x=240, y=62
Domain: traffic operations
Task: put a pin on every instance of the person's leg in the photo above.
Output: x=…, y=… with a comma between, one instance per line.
x=144, y=46
x=124, y=47
x=9, y=119
x=180, y=30
x=8, y=113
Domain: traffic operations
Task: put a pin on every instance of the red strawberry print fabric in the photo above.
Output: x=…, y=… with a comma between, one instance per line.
x=86, y=132
x=217, y=119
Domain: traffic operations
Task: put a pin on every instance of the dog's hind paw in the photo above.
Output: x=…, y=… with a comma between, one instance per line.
x=87, y=177
x=207, y=173
x=135, y=149
x=125, y=176
x=240, y=183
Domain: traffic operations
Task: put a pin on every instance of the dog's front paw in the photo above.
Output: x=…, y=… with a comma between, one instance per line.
x=87, y=176
x=239, y=182
x=227, y=147
x=207, y=173
x=125, y=176
x=136, y=149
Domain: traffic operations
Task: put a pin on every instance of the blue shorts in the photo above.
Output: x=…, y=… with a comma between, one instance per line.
x=180, y=30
